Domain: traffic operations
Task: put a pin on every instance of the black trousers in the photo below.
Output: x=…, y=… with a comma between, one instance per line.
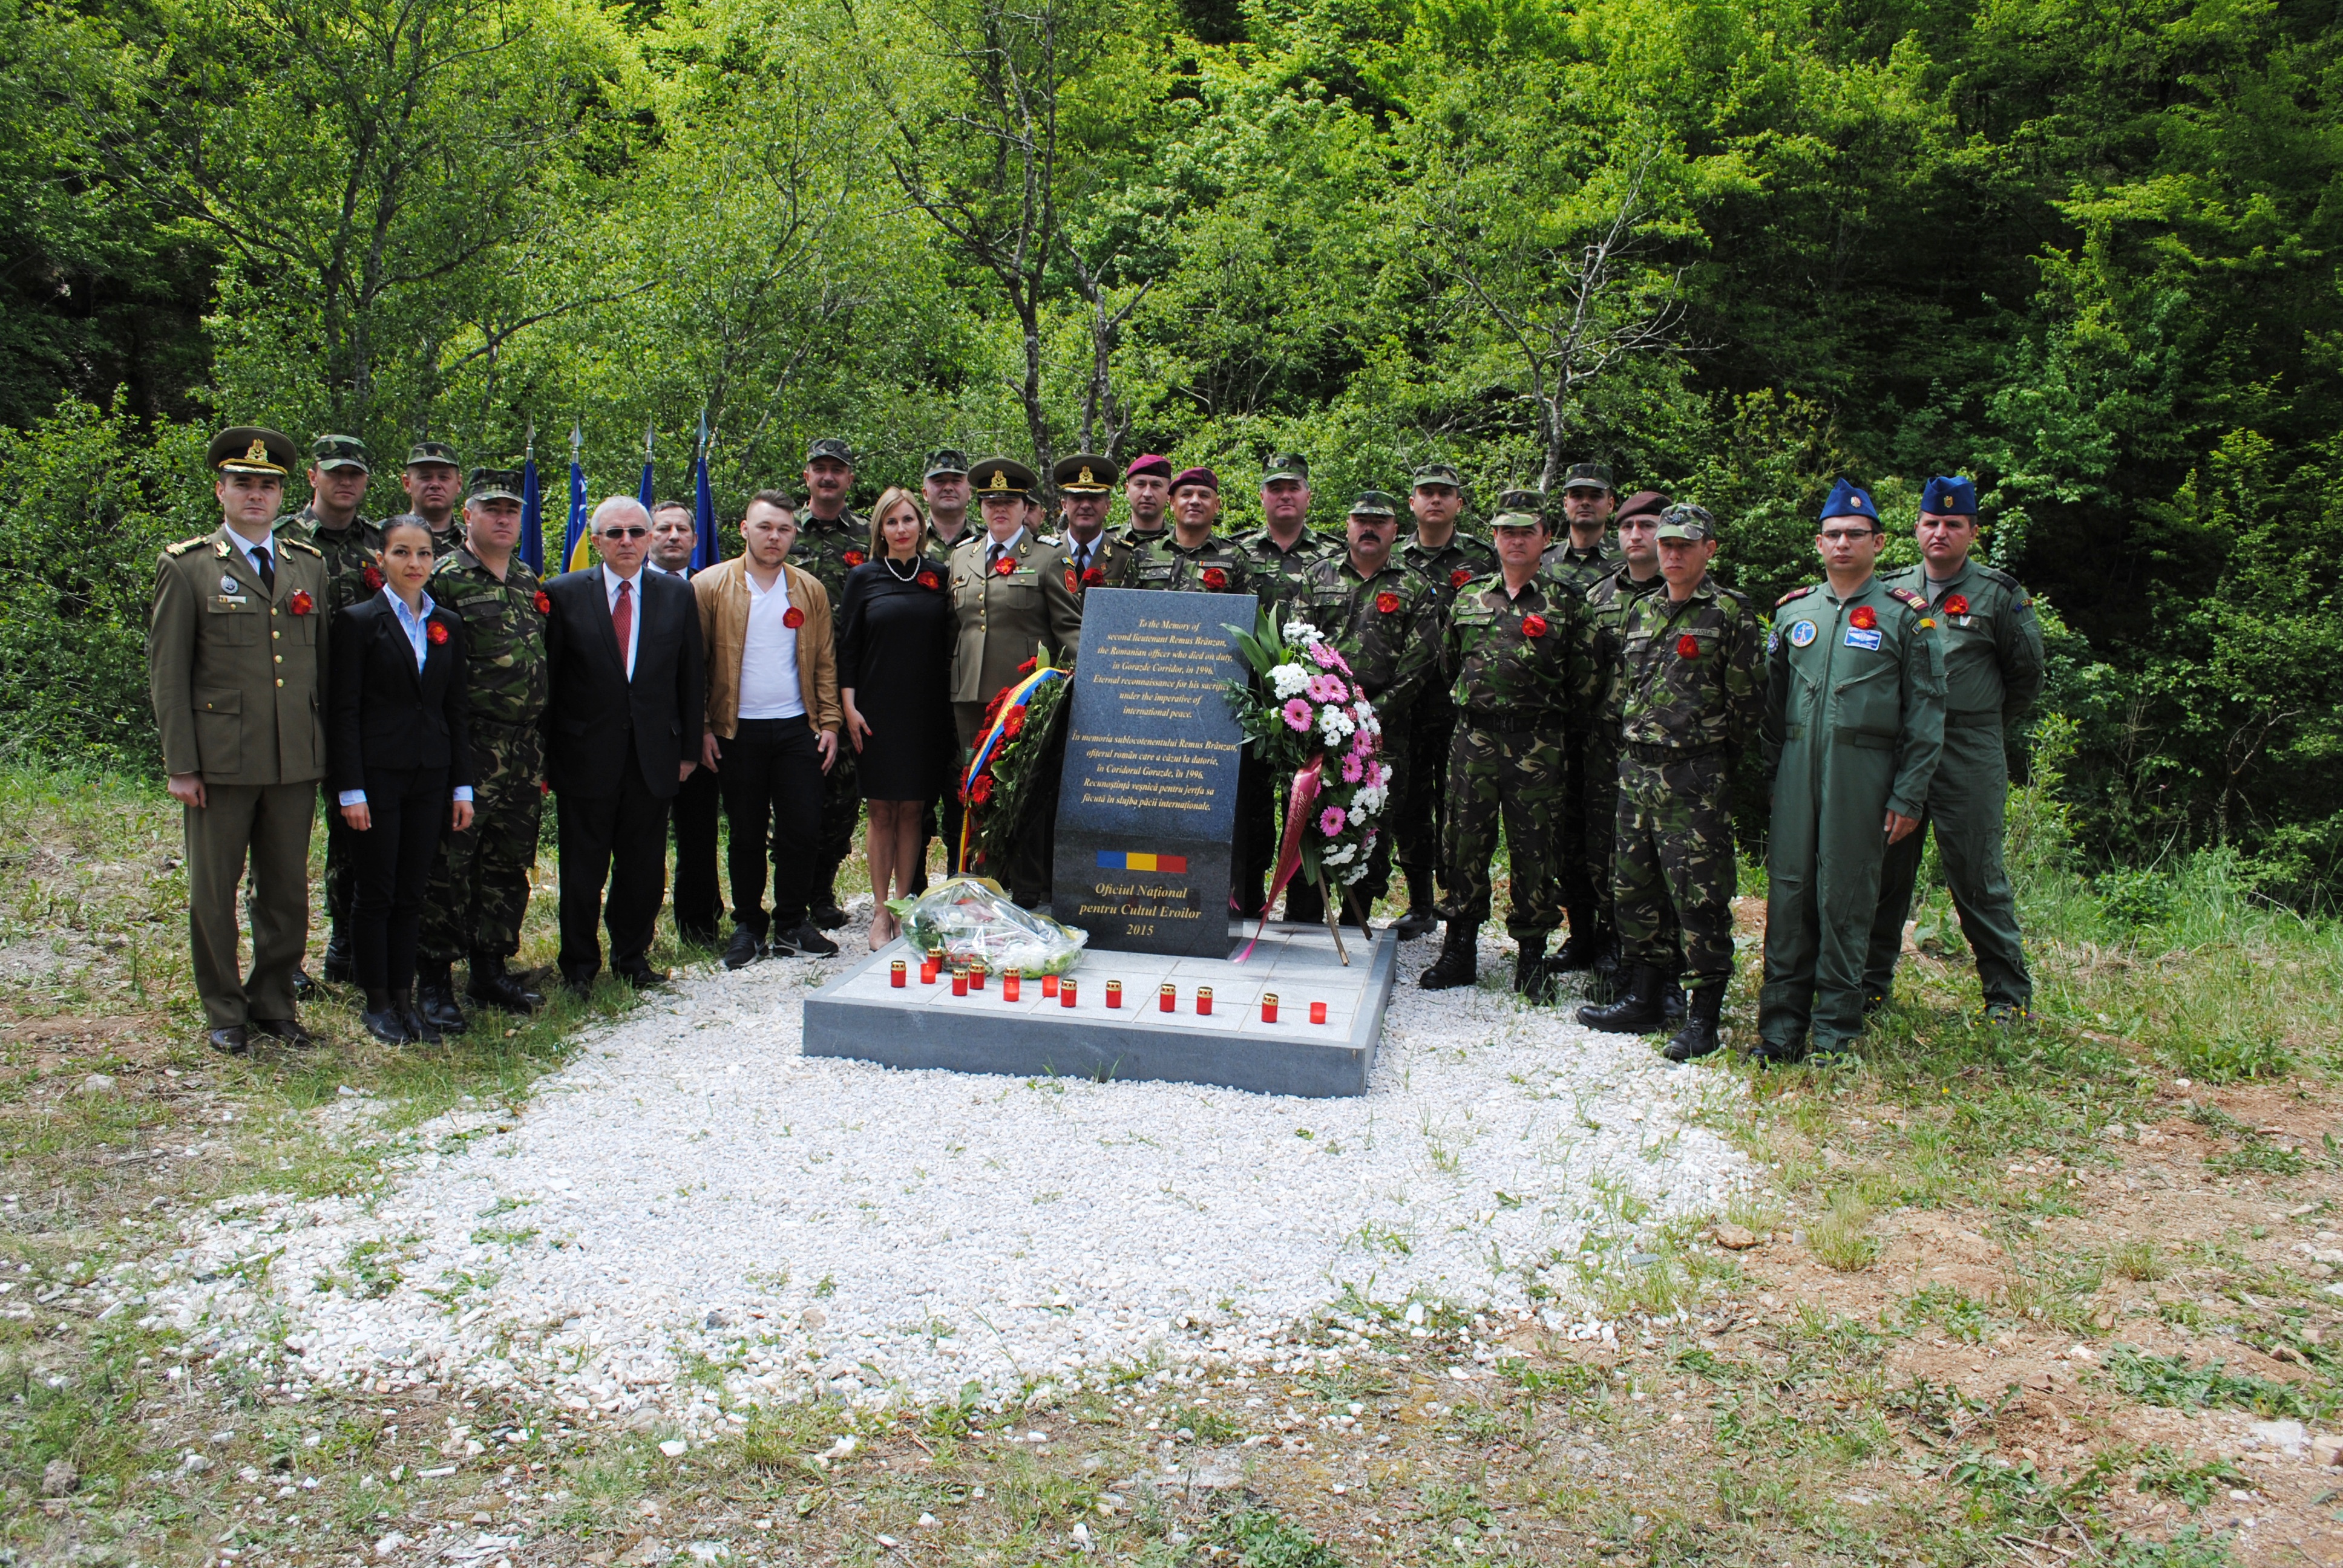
x=698, y=902
x=409, y=810
x=617, y=840
x=771, y=773
x=1254, y=853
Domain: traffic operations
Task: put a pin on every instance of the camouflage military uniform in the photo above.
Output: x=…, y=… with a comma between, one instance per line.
x=1579, y=566
x=1606, y=606
x=1168, y=564
x=1278, y=572
x=479, y=879
x=1387, y=627
x=1584, y=848
x=351, y=575
x=1419, y=803
x=1689, y=691
x=1519, y=675
x=830, y=550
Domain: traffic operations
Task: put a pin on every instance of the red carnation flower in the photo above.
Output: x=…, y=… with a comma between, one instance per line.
x=1533, y=626
x=929, y=580
x=1092, y=575
x=436, y=633
x=544, y=602
x=1687, y=647
x=794, y=618
x=1863, y=619
x=1957, y=605
x=979, y=790
x=372, y=579
x=1386, y=604
x=1215, y=578
x=301, y=603
x=1460, y=576
x=1003, y=567
x=1025, y=668
x=1015, y=722
x=855, y=558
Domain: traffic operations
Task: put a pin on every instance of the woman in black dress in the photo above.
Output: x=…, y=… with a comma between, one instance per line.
x=894, y=668
x=396, y=748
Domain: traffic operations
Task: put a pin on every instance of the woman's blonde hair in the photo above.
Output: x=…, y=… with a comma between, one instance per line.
x=887, y=500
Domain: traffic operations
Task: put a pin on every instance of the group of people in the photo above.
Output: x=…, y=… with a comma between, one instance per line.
x=1586, y=694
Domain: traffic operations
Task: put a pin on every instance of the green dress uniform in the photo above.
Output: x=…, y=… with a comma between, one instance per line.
x=1387, y=629
x=829, y=549
x=1419, y=803
x=1855, y=722
x=479, y=879
x=1608, y=602
x=236, y=670
x=1992, y=673
x=1518, y=672
x=351, y=574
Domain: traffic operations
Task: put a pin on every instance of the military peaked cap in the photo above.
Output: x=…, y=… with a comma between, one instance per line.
x=1083, y=474
x=252, y=449
x=1001, y=476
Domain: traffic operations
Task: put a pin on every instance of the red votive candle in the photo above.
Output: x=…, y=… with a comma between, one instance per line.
x=1269, y=1007
x=1066, y=993
x=1114, y=993
x=1011, y=983
x=976, y=975
x=895, y=974
x=1168, y=998
x=1204, y=999
x=960, y=981
x=929, y=967
x=1317, y=1012
x=1049, y=985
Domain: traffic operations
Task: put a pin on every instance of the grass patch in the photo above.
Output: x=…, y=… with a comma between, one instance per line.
x=2171, y=1381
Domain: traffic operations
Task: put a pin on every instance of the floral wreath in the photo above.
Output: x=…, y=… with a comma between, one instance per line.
x=1003, y=782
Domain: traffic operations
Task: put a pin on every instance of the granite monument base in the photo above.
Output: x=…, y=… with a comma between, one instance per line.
x=861, y=1014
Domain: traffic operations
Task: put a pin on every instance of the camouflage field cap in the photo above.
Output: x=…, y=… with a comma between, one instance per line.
x=252, y=449
x=493, y=485
x=425, y=452
x=1519, y=509
x=1285, y=466
x=1685, y=521
x=328, y=453
x=1374, y=504
x=830, y=447
x=1589, y=477
x=1438, y=474
x=944, y=461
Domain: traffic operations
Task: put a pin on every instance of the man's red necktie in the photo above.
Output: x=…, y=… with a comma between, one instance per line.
x=622, y=621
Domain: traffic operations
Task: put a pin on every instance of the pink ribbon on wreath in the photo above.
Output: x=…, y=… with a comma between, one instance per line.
x=1306, y=785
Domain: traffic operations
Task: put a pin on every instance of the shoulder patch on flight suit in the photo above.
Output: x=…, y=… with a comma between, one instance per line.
x=1794, y=593
x=1909, y=599
x=1995, y=575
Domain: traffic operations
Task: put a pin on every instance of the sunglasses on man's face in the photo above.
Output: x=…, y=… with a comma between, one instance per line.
x=625, y=533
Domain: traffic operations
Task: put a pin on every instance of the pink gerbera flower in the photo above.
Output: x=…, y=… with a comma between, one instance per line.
x=1298, y=714
x=1328, y=688
x=1331, y=820
x=1351, y=769
x=1324, y=652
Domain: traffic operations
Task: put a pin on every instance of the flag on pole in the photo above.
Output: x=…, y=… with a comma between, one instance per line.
x=704, y=553
x=575, y=555
x=645, y=494
x=532, y=510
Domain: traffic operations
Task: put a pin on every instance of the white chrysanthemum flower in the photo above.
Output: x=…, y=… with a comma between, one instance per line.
x=1301, y=631
x=1289, y=681
x=1338, y=857
x=1368, y=801
x=1334, y=725
x=1354, y=873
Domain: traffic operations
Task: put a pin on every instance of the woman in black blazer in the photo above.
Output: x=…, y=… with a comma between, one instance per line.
x=398, y=752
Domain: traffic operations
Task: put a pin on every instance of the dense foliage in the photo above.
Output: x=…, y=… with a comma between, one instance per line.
x=1734, y=247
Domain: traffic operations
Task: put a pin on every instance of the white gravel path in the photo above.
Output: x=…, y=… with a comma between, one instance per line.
x=692, y=1186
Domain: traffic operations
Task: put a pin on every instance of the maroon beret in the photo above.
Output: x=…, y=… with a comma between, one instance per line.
x=1149, y=463
x=1643, y=501
x=1198, y=476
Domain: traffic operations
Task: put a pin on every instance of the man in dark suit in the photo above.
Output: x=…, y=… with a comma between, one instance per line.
x=622, y=733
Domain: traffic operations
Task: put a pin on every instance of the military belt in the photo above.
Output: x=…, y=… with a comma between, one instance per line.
x=1978, y=720
x=1863, y=741
x=1659, y=752
x=480, y=723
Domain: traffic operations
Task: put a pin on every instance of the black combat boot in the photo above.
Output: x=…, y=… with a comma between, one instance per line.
x=385, y=1018
x=1637, y=1012
x=826, y=914
x=1533, y=971
x=1417, y=922
x=435, y=998
x=419, y=1026
x=495, y=986
x=1583, y=947
x=1672, y=995
x=1459, y=962
x=1697, y=1038
x=341, y=964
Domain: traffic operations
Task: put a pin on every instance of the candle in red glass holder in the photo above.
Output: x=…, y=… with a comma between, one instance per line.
x=1049, y=985
x=1203, y=998
x=1269, y=1007
x=895, y=974
x=976, y=975
x=929, y=967
x=1065, y=993
x=1168, y=998
x=1011, y=984
x=1114, y=993
x=960, y=981
x=1317, y=1012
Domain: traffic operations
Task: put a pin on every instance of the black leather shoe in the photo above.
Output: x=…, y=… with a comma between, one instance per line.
x=1417, y=922
x=1459, y=962
x=578, y=983
x=304, y=988
x=341, y=964
x=496, y=986
x=287, y=1029
x=804, y=942
x=1637, y=1012
x=826, y=915
x=229, y=1041
x=745, y=948
x=385, y=1020
x=435, y=998
x=1698, y=1037
x=639, y=974
x=419, y=1022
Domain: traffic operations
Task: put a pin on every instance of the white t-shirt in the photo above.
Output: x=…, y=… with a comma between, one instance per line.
x=769, y=660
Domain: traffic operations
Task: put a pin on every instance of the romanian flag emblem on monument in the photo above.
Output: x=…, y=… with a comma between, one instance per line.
x=1124, y=861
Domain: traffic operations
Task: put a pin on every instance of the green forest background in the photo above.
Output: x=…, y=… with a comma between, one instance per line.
x=2082, y=249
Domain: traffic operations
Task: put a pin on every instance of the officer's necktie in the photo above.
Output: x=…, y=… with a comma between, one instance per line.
x=622, y=621
x=992, y=561
x=264, y=561
x=1082, y=559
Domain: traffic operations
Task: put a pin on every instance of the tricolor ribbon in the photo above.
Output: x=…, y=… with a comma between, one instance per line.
x=1018, y=695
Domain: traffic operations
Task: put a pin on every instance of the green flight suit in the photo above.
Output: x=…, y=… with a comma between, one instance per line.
x=1420, y=795
x=1855, y=722
x=1992, y=673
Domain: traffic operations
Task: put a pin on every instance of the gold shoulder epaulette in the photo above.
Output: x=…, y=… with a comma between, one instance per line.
x=1911, y=600
x=1794, y=593
x=184, y=545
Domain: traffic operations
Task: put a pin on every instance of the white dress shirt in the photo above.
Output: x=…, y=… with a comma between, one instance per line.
x=768, y=656
x=417, y=629
x=610, y=581
x=254, y=551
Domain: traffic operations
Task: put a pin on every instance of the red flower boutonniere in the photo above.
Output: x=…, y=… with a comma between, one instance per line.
x=1386, y=604
x=1003, y=567
x=1957, y=605
x=1215, y=578
x=1460, y=576
x=435, y=634
x=301, y=603
x=1863, y=619
x=544, y=602
x=1025, y=669
x=1533, y=625
x=372, y=579
x=855, y=558
x=794, y=618
x=1687, y=647
x=1094, y=576
x=929, y=580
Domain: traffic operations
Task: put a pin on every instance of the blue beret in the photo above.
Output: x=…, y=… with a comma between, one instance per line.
x=1849, y=500
x=1950, y=496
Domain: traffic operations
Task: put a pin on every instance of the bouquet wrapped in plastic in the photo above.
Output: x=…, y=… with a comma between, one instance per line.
x=970, y=918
